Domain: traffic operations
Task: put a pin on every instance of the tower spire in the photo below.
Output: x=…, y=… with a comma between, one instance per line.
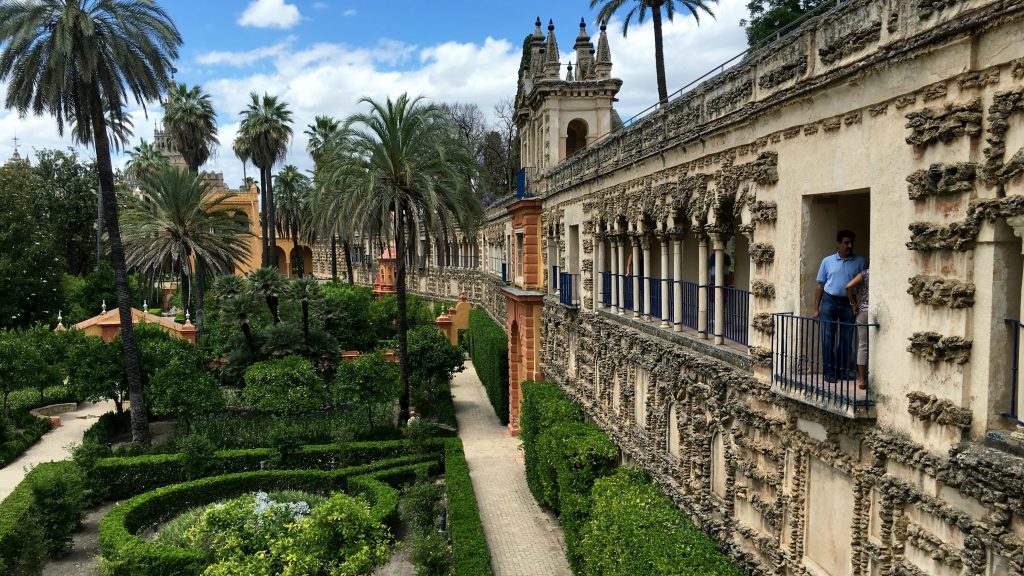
x=584, y=50
x=603, y=67
x=552, y=66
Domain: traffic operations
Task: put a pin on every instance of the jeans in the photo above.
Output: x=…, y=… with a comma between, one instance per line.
x=836, y=339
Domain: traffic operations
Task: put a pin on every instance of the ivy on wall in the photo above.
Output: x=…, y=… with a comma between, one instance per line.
x=488, y=347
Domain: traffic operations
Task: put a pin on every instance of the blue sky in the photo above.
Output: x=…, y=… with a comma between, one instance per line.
x=322, y=55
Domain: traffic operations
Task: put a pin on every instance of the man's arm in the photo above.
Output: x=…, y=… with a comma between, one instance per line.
x=818, y=293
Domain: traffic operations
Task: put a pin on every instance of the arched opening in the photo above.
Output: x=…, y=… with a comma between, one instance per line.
x=616, y=395
x=307, y=260
x=575, y=137
x=282, y=260
x=640, y=398
x=673, y=431
x=718, y=473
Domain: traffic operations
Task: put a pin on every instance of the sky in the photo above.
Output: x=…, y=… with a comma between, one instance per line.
x=322, y=56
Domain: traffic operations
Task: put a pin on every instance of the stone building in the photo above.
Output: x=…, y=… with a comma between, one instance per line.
x=663, y=273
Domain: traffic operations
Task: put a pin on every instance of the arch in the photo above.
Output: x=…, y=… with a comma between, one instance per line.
x=575, y=137
x=672, y=441
x=718, y=470
x=306, y=260
x=640, y=398
x=282, y=261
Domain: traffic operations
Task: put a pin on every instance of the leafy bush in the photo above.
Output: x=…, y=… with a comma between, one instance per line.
x=197, y=457
x=369, y=383
x=184, y=388
x=107, y=426
x=488, y=347
x=433, y=360
x=470, y=556
x=27, y=530
x=431, y=554
x=284, y=445
x=59, y=498
x=230, y=430
x=420, y=505
x=544, y=405
x=636, y=529
x=284, y=387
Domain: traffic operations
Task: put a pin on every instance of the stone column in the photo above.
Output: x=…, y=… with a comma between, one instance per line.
x=622, y=276
x=718, y=243
x=677, y=275
x=597, y=271
x=702, y=279
x=646, y=309
x=635, y=240
x=664, y=282
x=616, y=284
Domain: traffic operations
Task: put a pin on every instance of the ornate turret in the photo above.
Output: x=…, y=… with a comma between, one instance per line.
x=604, y=55
x=552, y=66
x=568, y=73
x=584, y=53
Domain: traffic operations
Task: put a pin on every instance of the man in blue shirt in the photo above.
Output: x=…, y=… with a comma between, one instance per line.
x=833, y=308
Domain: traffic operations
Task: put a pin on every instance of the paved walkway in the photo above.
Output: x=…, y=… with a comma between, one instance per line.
x=54, y=445
x=524, y=539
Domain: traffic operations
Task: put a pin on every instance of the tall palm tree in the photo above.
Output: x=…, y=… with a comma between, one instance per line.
x=269, y=283
x=639, y=9
x=191, y=124
x=240, y=147
x=266, y=128
x=179, y=223
x=64, y=57
x=144, y=160
x=292, y=203
x=402, y=172
x=323, y=130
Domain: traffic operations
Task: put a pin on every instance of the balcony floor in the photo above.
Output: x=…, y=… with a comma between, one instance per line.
x=842, y=398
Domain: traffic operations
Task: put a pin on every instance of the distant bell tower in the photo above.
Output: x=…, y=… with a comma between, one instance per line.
x=559, y=111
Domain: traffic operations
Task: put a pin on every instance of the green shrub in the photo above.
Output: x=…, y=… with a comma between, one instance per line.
x=17, y=442
x=284, y=445
x=184, y=389
x=488, y=347
x=430, y=553
x=544, y=405
x=636, y=529
x=470, y=556
x=25, y=528
x=284, y=387
x=368, y=385
x=60, y=503
x=197, y=457
x=420, y=505
x=107, y=426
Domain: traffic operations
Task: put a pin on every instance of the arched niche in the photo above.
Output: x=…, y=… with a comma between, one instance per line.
x=575, y=137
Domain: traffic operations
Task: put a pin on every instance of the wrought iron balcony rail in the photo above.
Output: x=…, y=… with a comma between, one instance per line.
x=735, y=313
x=1015, y=387
x=569, y=289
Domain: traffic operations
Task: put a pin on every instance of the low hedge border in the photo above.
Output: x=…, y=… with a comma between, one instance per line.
x=33, y=429
x=126, y=554
x=123, y=476
x=23, y=542
x=470, y=555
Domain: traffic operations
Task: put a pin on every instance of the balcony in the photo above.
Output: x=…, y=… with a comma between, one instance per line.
x=1016, y=413
x=554, y=278
x=504, y=272
x=735, y=314
x=816, y=362
x=568, y=290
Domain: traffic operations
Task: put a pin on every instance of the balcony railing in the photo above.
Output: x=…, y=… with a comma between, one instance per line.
x=691, y=304
x=654, y=298
x=554, y=278
x=627, y=291
x=568, y=289
x=1016, y=397
x=816, y=360
x=504, y=272
x=735, y=314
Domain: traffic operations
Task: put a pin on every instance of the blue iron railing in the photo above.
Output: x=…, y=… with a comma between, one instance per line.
x=568, y=289
x=554, y=278
x=691, y=304
x=504, y=272
x=654, y=300
x=735, y=315
x=627, y=292
x=606, y=289
x=1015, y=408
x=818, y=360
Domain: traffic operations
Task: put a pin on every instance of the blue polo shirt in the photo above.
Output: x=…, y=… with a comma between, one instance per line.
x=835, y=272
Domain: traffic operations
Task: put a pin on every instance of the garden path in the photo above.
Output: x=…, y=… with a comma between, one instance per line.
x=524, y=539
x=54, y=445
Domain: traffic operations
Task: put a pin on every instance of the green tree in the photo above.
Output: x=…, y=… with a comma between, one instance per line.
x=67, y=203
x=326, y=130
x=22, y=366
x=767, y=17
x=77, y=59
x=184, y=388
x=96, y=370
x=292, y=198
x=240, y=146
x=266, y=131
x=288, y=386
x=191, y=123
x=145, y=160
x=269, y=283
x=31, y=266
x=402, y=174
x=180, y=224
x=639, y=9
x=369, y=382
x=434, y=359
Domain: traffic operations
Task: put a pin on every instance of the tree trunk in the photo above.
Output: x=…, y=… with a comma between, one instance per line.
x=347, y=248
x=263, y=218
x=99, y=228
x=247, y=333
x=403, y=320
x=659, y=54
x=186, y=290
x=272, y=217
x=334, y=257
x=305, y=322
x=133, y=375
x=200, y=298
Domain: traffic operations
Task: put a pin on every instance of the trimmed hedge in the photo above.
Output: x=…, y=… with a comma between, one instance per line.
x=32, y=430
x=470, y=556
x=28, y=529
x=544, y=405
x=488, y=347
x=126, y=554
x=635, y=529
x=107, y=426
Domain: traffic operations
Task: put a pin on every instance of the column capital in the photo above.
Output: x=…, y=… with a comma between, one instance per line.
x=645, y=241
x=1017, y=223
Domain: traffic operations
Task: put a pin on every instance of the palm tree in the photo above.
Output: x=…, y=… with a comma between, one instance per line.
x=402, y=172
x=180, y=224
x=292, y=205
x=323, y=130
x=269, y=283
x=191, y=124
x=65, y=57
x=240, y=147
x=266, y=129
x=639, y=9
x=144, y=160
x=305, y=290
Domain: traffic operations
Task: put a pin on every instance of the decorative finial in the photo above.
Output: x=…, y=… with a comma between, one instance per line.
x=583, y=23
x=551, y=25
x=145, y=305
x=104, y=306
x=568, y=75
x=188, y=317
x=59, y=317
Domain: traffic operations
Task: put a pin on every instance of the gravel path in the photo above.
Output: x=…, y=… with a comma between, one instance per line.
x=82, y=559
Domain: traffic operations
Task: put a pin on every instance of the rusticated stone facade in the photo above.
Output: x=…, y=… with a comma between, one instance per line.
x=696, y=235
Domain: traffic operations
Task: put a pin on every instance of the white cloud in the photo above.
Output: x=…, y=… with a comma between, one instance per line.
x=245, y=58
x=270, y=14
x=319, y=6
x=349, y=12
